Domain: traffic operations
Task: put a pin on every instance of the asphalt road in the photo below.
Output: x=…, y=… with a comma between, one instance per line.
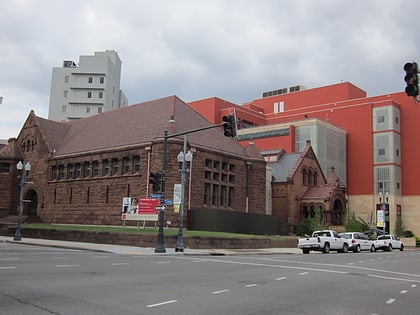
x=41, y=280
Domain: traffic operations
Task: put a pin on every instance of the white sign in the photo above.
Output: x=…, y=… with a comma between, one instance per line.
x=380, y=218
x=177, y=194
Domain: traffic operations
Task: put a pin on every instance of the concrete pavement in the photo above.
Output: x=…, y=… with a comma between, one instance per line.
x=133, y=250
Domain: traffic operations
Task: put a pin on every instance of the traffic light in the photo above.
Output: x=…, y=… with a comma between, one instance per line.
x=229, y=125
x=155, y=180
x=412, y=79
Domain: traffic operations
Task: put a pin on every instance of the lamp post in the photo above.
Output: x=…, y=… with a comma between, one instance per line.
x=383, y=202
x=183, y=157
x=22, y=169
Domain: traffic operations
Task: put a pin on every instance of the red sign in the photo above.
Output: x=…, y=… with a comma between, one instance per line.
x=147, y=205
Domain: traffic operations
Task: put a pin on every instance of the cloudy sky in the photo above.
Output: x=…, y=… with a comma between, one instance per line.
x=232, y=49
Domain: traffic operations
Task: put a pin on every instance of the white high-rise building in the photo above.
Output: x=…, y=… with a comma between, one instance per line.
x=88, y=88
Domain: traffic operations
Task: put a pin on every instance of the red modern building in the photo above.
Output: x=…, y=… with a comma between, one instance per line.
x=370, y=141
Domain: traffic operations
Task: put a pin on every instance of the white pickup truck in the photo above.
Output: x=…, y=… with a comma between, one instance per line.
x=388, y=242
x=323, y=241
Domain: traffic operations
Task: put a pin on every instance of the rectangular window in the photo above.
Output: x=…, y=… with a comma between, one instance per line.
x=381, y=151
x=66, y=93
x=114, y=166
x=215, y=195
x=90, y=80
x=4, y=168
x=105, y=167
x=77, y=170
x=381, y=119
x=136, y=164
x=88, y=109
x=86, y=170
x=101, y=94
x=231, y=197
x=64, y=108
x=61, y=171
x=54, y=172
x=99, y=110
x=207, y=191
x=66, y=79
x=89, y=94
x=101, y=80
x=126, y=165
x=70, y=171
x=95, y=168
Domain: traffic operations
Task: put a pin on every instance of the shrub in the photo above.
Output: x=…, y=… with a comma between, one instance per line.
x=353, y=224
x=310, y=224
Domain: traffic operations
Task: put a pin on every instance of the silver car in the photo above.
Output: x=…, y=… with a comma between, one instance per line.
x=358, y=242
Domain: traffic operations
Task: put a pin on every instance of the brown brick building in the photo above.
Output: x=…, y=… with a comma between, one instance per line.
x=81, y=170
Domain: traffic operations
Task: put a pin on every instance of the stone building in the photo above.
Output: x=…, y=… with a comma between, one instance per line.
x=81, y=170
x=300, y=187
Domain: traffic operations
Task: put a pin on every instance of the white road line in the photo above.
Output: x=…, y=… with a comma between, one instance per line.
x=390, y=301
x=303, y=273
x=220, y=291
x=120, y=264
x=66, y=266
x=392, y=278
x=9, y=258
x=251, y=285
x=403, y=291
x=281, y=278
x=162, y=303
x=5, y=268
x=101, y=256
x=414, y=285
x=163, y=262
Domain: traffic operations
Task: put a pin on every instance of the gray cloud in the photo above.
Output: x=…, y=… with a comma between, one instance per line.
x=199, y=49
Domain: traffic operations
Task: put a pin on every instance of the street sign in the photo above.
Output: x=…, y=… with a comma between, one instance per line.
x=160, y=208
x=156, y=196
x=167, y=202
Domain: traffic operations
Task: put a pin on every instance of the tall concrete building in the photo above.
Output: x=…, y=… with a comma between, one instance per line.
x=90, y=87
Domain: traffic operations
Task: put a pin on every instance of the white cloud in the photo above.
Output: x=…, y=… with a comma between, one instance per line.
x=197, y=49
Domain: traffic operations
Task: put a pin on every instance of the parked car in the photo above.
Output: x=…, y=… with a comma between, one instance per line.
x=323, y=241
x=388, y=242
x=358, y=242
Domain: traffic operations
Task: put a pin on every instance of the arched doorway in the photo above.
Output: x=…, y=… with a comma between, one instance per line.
x=338, y=212
x=31, y=203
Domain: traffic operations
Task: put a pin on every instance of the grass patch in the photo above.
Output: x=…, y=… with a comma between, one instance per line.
x=135, y=230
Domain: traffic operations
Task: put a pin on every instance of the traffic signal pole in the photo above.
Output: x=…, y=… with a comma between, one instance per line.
x=160, y=248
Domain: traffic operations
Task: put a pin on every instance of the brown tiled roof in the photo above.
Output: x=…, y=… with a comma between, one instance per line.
x=323, y=192
x=134, y=125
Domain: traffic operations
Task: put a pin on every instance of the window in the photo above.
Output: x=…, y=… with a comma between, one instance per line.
x=64, y=108
x=101, y=94
x=66, y=93
x=61, y=171
x=101, y=80
x=105, y=167
x=54, y=172
x=381, y=119
x=86, y=169
x=126, y=165
x=88, y=109
x=136, y=164
x=381, y=152
x=90, y=80
x=4, y=168
x=219, y=179
x=95, y=168
x=89, y=94
x=70, y=171
x=114, y=166
x=66, y=79
x=99, y=110
x=77, y=170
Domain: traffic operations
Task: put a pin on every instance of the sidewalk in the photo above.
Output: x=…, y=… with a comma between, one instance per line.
x=133, y=250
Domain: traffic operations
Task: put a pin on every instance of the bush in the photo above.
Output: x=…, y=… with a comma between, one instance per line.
x=308, y=225
x=408, y=233
x=353, y=224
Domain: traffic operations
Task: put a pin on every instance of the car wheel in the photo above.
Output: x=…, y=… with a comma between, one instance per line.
x=390, y=248
x=345, y=248
x=326, y=249
x=305, y=250
x=373, y=248
x=357, y=250
x=402, y=247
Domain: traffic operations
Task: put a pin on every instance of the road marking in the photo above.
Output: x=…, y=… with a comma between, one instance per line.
x=390, y=301
x=9, y=258
x=120, y=264
x=163, y=262
x=101, y=256
x=66, y=266
x=220, y=291
x=251, y=285
x=414, y=285
x=303, y=273
x=1, y=268
x=403, y=291
x=391, y=278
x=281, y=278
x=162, y=303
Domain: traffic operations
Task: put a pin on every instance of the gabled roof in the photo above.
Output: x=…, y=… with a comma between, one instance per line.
x=11, y=150
x=134, y=125
x=285, y=166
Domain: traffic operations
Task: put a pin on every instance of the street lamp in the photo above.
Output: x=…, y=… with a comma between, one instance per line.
x=383, y=200
x=183, y=157
x=22, y=169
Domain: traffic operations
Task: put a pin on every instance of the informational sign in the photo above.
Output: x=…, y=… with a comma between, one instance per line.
x=139, y=209
x=177, y=194
x=380, y=218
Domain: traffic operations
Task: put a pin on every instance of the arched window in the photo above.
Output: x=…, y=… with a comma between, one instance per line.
x=304, y=177
x=310, y=178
